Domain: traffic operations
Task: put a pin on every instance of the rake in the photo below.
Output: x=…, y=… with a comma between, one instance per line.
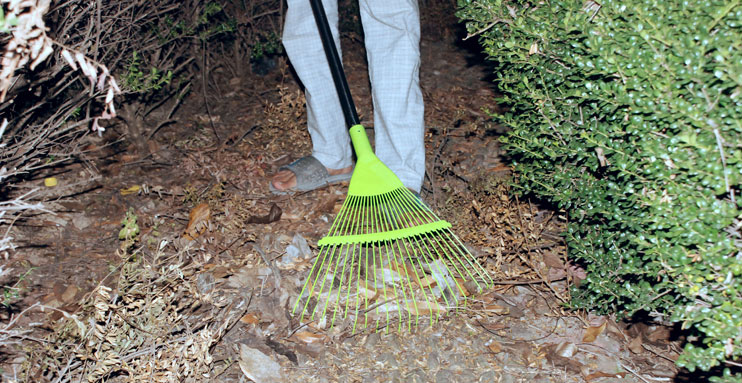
x=387, y=256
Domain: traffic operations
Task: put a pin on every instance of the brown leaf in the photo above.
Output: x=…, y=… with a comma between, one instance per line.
x=272, y=216
x=461, y=287
x=553, y=260
x=494, y=326
x=328, y=204
x=250, y=318
x=495, y=347
x=636, y=345
x=658, y=333
x=308, y=337
x=427, y=281
x=69, y=294
x=496, y=309
x=592, y=333
x=197, y=220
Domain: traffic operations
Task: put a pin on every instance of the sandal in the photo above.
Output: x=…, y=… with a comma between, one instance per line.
x=310, y=175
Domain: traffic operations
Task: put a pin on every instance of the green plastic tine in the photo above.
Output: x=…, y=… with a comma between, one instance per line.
x=301, y=294
x=350, y=226
x=321, y=262
x=395, y=207
x=400, y=264
x=438, y=265
x=481, y=270
x=324, y=280
x=356, y=218
x=321, y=257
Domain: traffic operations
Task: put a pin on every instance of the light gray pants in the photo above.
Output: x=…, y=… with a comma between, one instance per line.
x=392, y=34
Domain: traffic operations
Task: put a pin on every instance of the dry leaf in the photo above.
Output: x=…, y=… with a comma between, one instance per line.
x=250, y=318
x=495, y=347
x=592, y=333
x=369, y=293
x=272, y=216
x=636, y=345
x=259, y=367
x=553, y=260
x=130, y=190
x=197, y=221
x=494, y=326
x=427, y=281
x=462, y=288
x=658, y=333
x=308, y=337
x=533, y=49
x=427, y=307
x=565, y=349
x=69, y=293
x=496, y=309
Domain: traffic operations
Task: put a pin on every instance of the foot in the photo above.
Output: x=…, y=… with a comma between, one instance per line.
x=285, y=179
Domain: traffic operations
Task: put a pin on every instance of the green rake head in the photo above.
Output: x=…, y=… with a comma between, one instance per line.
x=387, y=258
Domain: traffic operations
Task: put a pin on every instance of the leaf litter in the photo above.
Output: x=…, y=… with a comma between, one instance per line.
x=209, y=299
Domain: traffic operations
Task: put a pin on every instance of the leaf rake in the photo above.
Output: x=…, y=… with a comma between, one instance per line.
x=387, y=255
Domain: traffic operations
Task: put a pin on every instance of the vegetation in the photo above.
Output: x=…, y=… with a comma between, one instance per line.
x=628, y=115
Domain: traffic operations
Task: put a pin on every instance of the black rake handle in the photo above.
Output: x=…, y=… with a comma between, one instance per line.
x=336, y=66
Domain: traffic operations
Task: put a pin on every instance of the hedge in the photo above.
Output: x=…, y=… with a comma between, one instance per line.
x=628, y=115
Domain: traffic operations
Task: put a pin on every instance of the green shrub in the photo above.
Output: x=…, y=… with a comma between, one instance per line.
x=628, y=114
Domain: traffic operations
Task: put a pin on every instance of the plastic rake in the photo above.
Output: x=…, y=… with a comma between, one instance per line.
x=387, y=258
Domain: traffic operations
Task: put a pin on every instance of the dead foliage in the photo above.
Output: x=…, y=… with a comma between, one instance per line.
x=155, y=322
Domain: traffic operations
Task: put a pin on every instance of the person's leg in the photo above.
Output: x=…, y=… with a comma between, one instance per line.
x=392, y=34
x=327, y=127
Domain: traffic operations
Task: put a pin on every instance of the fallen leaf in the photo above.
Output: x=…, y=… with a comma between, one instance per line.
x=591, y=333
x=130, y=190
x=197, y=220
x=250, y=318
x=259, y=367
x=328, y=204
x=50, y=182
x=565, y=349
x=658, y=333
x=69, y=293
x=462, y=288
x=495, y=347
x=494, y=326
x=272, y=216
x=368, y=292
x=553, y=260
x=427, y=281
x=635, y=345
x=427, y=307
x=496, y=309
x=309, y=337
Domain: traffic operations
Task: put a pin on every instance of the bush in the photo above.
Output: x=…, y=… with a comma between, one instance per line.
x=628, y=115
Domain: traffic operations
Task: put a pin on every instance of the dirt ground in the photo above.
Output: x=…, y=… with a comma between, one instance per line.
x=203, y=291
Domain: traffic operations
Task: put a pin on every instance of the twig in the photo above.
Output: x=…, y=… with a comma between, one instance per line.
x=204, y=85
x=270, y=264
x=627, y=368
x=724, y=165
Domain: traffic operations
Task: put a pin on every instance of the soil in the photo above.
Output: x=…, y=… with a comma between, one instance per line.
x=202, y=206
